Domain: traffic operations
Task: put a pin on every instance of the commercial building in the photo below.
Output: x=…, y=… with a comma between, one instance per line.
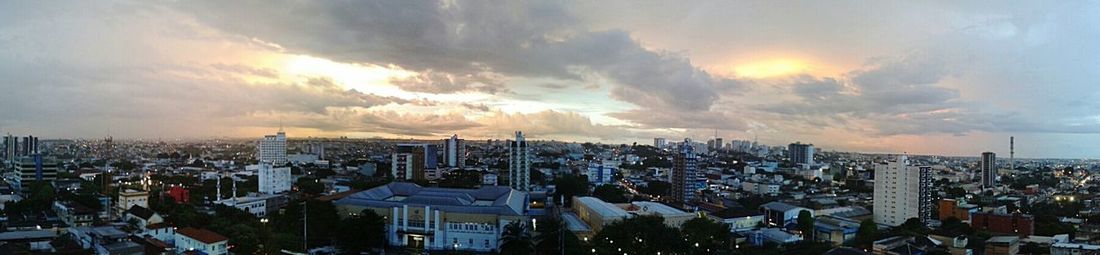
x=598, y=213
x=1012, y=224
x=130, y=198
x=273, y=179
x=836, y=230
x=272, y=149
x=949, y=208
x=519, y=163
x=683, y=177
x=441, y=218
x=801, y=153
x=988, y=166
x=673, y=217
x=32, y=169
x=1074, y=249
x=454, y=152
x=782, y=215
x=259, y=205
x=200, y=240
x=902, y=192
x=599, y=174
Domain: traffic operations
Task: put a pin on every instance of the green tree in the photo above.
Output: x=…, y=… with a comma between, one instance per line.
x=361, y=232
x=639, y=235
x=867, y=233
x=568, y=186
x=310, y=185
x=515, y=240
x=805, y=224
x=712, y=237
x=610, y=193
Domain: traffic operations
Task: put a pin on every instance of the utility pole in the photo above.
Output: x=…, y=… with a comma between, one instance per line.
x=305, y=226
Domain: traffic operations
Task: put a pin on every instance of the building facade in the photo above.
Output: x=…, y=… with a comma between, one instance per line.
x=988, y=166
x=519, y=163
x=902, y=191
x=801, y=153
x=439, y=219
x=272, y=149
x=273, y=179
x=683, y=177
x=200, y=240
x=414, y=162
x=32, y=169
x=454, y=152
x=599, y=174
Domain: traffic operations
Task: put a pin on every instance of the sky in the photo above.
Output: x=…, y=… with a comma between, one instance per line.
x=922, y=77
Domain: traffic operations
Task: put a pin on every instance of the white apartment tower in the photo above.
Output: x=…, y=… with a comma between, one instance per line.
x=454, y=150
x=519, y=164
x=272, y=149
x=988, y=167
x=274, y=179
x=902, y=192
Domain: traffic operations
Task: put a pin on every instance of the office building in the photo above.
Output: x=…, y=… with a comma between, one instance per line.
x=438, y=219
x=272, y=149
x=801, y=153
x=32, y=169
x=902, y=192
x=273, y=179
x=660, y=142
x=782, y=215
x=683, y=178
x=454, y=152
x=414, y=162
x=519, y=164
x=988, y=166
x=599, y=174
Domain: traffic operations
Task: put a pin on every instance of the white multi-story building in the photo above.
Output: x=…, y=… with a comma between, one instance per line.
x=660, y=142
x=130, y=198
x=519, y=164
x=441, y=219
x=599, y=174
x=273, y=179
x=200, y=240
x=272, y=149
x=801, y=153
x=988, y=166
x=902, y=192
x=454, y=152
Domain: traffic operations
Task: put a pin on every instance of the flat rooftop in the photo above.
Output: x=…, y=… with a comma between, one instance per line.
x=604, y=209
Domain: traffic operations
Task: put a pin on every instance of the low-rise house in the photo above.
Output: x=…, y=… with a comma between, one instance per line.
x=200, y=240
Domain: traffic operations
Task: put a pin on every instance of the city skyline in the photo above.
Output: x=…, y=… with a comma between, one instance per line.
x=924, y=78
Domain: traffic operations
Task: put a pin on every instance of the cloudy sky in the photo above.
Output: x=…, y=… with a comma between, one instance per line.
x=875, y=76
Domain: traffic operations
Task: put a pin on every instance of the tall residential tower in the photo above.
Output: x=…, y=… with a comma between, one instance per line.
x=519, y=164
x=988, y=166
x=454, y=152
x=902, y=192
x=272, y=149
x=683, y=177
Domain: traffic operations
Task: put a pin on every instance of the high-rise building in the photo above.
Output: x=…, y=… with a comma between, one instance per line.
x=683, y=177
x=519, y=164
x=273, y=179
x=902, y=192
x=801, y=153
x=417, y=162
x=30, y=146
x=10, y=145
x=988, y=166
x=454, y=152
x=660, y=142
x=272, y=149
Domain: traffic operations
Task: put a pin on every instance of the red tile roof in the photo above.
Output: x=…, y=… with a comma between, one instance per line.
x=202, y=235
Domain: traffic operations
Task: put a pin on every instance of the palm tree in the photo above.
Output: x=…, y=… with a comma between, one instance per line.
x=515, y=240
x=550, y=236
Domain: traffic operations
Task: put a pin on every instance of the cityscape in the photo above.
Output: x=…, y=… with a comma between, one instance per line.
x=565, y=127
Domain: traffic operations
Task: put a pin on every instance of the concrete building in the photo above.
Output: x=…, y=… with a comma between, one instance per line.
x=902, y=192
x=519, y=164
x=454, y=152
x=951, y=208
x=1002, y=245
x=272, y=149
x=415, y=162
x=801, y=153
x=32, y=169
x=105, y=240
x=438, y=219
x=988, y=166
x=200, y=240
x=683, y=177
x=273, y=179
x=598, y=213
x=660, y=142
x=259, y=205
x=130, y=198
x=673, y=217
x=836, y=230
x=782, y=215
x=599, y=174
x=1074, y=249
x=1004, y=223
